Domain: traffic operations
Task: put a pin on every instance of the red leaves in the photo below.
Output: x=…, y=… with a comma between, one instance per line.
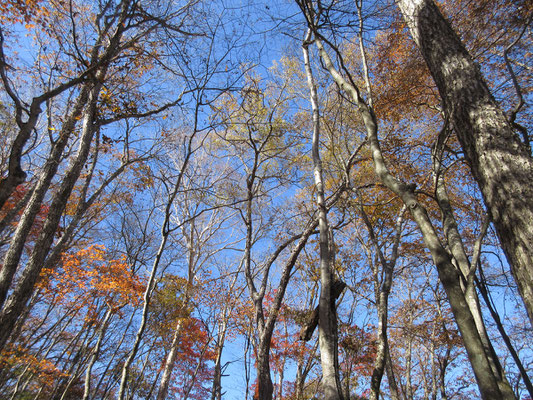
x=359, y=348
x=15, y=203
x=193, y=370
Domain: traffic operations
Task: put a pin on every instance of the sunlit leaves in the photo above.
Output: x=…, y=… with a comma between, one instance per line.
x=19, y=360
x=22, y=11
x=89, y=274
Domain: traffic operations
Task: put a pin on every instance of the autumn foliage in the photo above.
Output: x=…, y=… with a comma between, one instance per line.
x=166, y=230
x=88, y=274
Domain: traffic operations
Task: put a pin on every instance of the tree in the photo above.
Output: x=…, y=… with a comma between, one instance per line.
x=186, y=212
x=499, y=160
x=87, y=289
x=488, y=382
x=87, y=90
x=257, y=130
x=327, y=317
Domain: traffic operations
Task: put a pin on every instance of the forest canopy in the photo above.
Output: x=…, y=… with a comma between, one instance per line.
x=290, y=200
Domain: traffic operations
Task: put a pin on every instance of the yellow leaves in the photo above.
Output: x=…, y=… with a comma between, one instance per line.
x=143, y=176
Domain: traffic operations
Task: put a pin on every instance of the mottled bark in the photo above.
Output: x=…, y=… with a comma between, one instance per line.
x=500, y=162
x=264, y=380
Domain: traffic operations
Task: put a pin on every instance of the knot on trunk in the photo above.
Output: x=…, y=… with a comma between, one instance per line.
x=309, y=327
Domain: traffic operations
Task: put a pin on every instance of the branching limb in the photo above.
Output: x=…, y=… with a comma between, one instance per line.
x=518, y=89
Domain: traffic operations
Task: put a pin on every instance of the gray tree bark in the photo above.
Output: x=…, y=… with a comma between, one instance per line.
x=85, y=108
x=170, y=361
x=95, y=353
x=382, y=291
x=16, y=303
x=466, y=267
x=448, y=274
x=500, y=162
x=15, y=174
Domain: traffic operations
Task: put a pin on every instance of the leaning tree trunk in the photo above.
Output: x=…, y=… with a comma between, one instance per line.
x=170, y=361
x=500, y=162
x=14, y=306
x=95, y=353
x=464, y=265
x=448, y=274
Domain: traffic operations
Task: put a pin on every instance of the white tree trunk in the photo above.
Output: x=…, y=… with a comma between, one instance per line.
x=327, y=320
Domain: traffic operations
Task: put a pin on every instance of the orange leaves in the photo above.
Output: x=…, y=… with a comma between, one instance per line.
x=89, y=274
x=193, y=339
x=143, y=176
x=401, y=83
x=44, y=370
x=22, y=11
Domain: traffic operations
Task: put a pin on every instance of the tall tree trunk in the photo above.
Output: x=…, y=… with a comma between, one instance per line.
x=327, y=320
x=500, y=162
x=465, y=267
x=150, y=286
x=382, y=291
x=495, y=316
x=85, y=107
x=448, y=274
x=95, y=354
x=169, y=362
x=265, y=387
x=16, y=303
x=14, y=252
x=393, y=385
x=264, y=380
x=216, y=391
